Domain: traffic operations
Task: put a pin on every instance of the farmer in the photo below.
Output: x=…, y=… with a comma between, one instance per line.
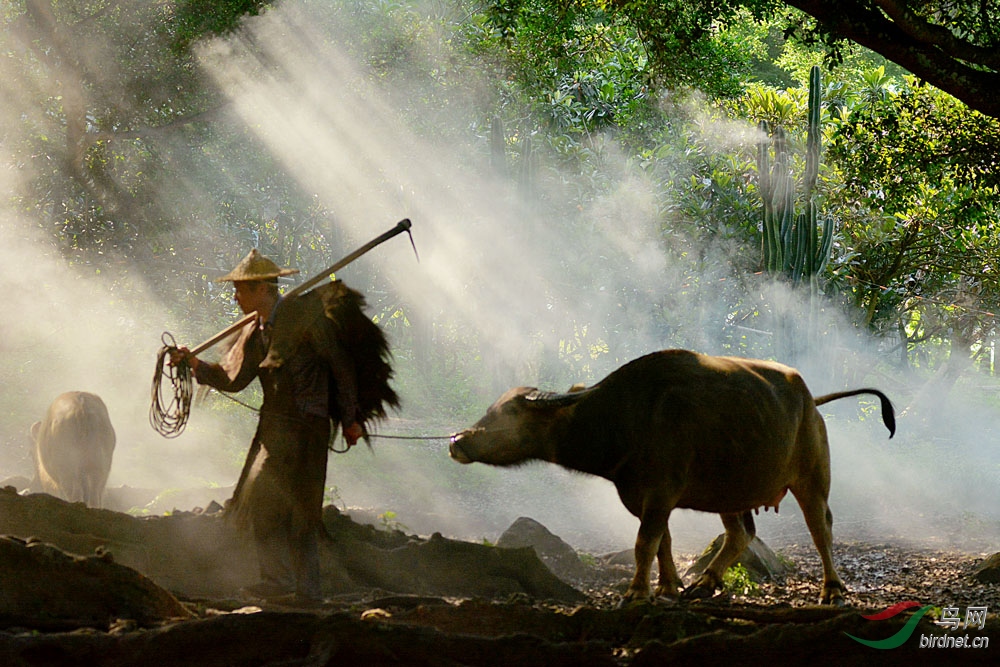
x=279, y=496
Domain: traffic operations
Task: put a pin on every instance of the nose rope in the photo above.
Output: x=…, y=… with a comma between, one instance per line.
x=185, y=408
x=386, y=436
x=382, y=436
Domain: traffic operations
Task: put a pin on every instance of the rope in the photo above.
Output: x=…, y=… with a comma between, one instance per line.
x=169, y=419
x=346, y=449
x=237, y=401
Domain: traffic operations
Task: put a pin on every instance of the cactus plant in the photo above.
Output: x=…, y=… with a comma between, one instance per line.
x=793, y=244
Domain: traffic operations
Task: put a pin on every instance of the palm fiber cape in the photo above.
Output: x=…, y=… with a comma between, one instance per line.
x=334, y=313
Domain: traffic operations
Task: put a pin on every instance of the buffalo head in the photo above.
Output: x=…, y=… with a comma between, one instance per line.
x=516, y=428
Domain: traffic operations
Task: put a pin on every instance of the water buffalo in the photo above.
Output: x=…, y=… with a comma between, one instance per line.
x=73, y=447
x=680, y=429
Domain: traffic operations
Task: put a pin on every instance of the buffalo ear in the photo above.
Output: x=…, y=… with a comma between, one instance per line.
x=34, y=430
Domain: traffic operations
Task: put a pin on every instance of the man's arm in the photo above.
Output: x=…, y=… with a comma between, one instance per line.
x=341, y=367
x=238, y=367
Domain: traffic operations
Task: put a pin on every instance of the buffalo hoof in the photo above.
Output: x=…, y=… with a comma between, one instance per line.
x=704, y=587
x=833, y=594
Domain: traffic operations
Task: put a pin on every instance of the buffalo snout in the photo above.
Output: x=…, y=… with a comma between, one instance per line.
x=455, y=449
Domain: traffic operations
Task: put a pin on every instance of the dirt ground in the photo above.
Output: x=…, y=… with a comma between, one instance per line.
x=165, y=591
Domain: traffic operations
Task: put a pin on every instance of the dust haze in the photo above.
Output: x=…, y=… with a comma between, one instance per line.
x=518, y=281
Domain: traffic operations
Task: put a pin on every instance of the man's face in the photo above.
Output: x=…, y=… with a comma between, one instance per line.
x=250, y=294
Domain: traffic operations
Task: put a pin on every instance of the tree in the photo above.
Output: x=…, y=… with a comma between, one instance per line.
x=919, y=208
x=952, y=44
x=107, y=115
x=88, y=85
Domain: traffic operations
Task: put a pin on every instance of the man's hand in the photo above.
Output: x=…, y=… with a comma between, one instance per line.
x=353, y=433
x=179, y=354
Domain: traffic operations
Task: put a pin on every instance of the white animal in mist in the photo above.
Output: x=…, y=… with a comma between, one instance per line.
x=73, y=448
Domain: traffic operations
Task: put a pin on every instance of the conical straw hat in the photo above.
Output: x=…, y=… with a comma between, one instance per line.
x=255, y=267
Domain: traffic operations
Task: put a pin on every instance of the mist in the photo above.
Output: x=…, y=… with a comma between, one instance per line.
x=517, y=280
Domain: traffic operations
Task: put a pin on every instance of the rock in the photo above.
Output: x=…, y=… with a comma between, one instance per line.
x=761, y=563
x=988, y=572
x=199, y=555
x=625, y=558
x=18, y=482
x=189, y=555
x=43, y=584
x=558, y=556
x=392, y=561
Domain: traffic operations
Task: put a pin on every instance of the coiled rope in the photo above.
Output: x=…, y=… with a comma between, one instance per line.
x=170, y=418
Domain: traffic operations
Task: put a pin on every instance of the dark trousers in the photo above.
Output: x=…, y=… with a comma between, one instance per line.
x=287, y=508
x=288, y=555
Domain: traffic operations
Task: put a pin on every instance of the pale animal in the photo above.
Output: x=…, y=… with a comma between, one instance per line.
x=73, y=448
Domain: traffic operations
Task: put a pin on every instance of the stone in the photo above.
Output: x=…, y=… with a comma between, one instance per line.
x=555, y=553
x=761, y=563
x=41, y=581
x=988, y=572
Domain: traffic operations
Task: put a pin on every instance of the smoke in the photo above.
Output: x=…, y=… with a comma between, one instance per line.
x=66, y=330
x=543, y=298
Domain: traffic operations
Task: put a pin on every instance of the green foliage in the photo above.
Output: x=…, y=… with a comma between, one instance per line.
x=681, y=38
x=389, y=522
x=920, y=203
x=107, y=134
x=779, y=109
x=573, y=70
x=580, y=349
x=562, y=90
x=737, y=580
x=195, y=19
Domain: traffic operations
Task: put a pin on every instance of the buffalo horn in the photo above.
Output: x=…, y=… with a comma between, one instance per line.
x=550, y=399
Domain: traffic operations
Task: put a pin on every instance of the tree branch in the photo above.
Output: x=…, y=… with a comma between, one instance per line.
x=915, y=45
x=936, y=36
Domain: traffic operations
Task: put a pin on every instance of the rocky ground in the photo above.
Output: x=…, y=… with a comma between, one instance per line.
x=151, y=596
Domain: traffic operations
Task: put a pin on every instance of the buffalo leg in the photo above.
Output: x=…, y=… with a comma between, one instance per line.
x=819, y=519
x=739, y=532
x=670, y=581
x=652, y=529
